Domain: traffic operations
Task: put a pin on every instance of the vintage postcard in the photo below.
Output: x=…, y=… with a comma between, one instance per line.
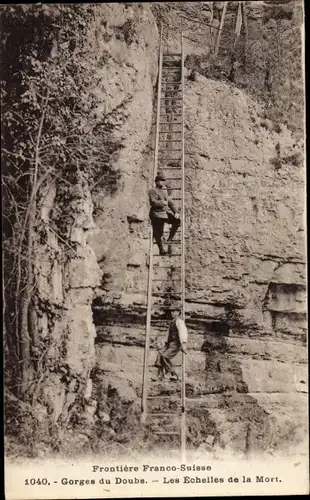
x=154, y=248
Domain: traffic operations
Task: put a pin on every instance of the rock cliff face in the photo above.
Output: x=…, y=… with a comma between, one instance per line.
x=245, y=257
x=245, y=279
x=245, y=230
x=120, y=236
x=67, y=269
x=245, y=261
x=66, y=280
x=127, y=71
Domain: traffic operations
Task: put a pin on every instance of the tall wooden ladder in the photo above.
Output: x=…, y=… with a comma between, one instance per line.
x=164, y=403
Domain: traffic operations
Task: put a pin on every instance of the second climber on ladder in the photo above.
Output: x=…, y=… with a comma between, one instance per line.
x=162, y=210
x=176, y=341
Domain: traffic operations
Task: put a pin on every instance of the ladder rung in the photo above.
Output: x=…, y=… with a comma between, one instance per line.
x=171, y=114
x=164, y=308
x=170, y=123
x=167, y=267
x=171, y=98
x=170, y=132
x=162, y=295
x=167, y=433
x=171, y=67
x=167, y=150
x=174, y=366
x=170, y=140
x=158, y=426
x=168, y=54
x=167, y=255
x=165, y=279
x=158, y=321
x=167, y=232
x=169, y=294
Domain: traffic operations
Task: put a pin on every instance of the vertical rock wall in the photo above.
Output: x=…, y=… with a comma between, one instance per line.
x=245, y=262
x=67, y=273
x=245, y=244
x=245, y=285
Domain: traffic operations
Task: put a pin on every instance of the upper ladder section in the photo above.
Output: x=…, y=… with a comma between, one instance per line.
x=166, y=415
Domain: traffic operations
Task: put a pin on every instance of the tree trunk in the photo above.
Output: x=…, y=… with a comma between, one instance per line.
x=220, y=30
x=25, y=335
x=211, y=22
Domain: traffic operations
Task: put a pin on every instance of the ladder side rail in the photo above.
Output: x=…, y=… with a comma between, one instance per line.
x=183, y=416
x=150, y=273
x=158, y=105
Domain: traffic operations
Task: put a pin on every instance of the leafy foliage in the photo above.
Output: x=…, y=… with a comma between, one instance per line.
x=53, y=133
x=266, y=61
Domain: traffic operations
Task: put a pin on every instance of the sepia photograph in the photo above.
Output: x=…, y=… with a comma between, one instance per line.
x=154, y=249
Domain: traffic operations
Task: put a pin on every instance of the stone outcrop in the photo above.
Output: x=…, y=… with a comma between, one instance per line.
x=69, y=276
x=66, y=276
x=120, y=238
x=70, y=248
x=245, y=243
x=245, y=251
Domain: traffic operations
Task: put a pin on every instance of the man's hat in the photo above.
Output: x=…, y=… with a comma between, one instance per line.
x=160, y=177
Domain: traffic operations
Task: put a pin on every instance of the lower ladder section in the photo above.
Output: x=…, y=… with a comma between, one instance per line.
x=163, y=401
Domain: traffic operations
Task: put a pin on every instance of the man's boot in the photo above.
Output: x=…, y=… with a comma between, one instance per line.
x=174, y=377
x=162, y=251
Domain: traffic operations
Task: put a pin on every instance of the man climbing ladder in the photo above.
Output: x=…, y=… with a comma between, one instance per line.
x=177, y=339
x=163, y=210
x=165, y=415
